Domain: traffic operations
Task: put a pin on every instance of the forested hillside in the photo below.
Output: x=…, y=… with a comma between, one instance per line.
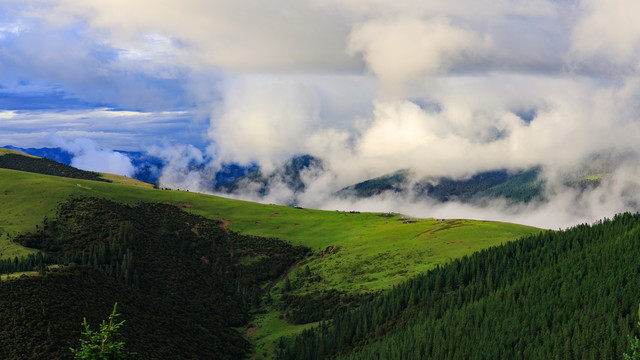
x=559, y=295
x=205, y=277
x=446, y=189
x=519, y=186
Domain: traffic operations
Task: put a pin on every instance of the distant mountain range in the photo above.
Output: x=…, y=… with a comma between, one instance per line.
x=516, y=186
x=148, y=167
x=291, y=175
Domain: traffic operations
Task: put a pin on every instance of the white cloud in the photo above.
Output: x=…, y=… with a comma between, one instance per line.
x=116, y=129
x=181, y=167
x=263, y=120
x=607, y=32
x=88, y=155
x=405, y=49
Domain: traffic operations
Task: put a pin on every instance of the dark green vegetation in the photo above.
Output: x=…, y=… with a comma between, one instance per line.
x=35, y=261
x=520, y=186
x=41, y=315
x=181, y=274
x=44, y=166
x=557, y=295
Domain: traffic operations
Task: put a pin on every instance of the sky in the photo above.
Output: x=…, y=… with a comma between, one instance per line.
x=370, y=87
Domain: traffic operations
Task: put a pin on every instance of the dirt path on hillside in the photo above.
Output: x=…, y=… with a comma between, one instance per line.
x=224, y=225
x=180, y=205
x=430, y=231
x=282, y=276
x=329, y=250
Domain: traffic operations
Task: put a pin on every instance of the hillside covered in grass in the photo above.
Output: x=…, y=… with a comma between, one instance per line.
x=565, y=295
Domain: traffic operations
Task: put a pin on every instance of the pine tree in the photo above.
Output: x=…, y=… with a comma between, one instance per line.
x=100, y=345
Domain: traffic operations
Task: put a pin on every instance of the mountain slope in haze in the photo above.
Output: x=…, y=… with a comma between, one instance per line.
x=569, y=294
x=290, y=175
x=148, y=168
x=55, y=154
x=395, y=182
x=498, y=183
x=523, y=186
x=519, y=186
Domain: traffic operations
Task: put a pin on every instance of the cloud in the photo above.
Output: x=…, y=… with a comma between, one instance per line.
x=251, y=35
x=88, y=155
x=444, y=88
x=607, y=35
x=182, y=168
x=263, y=120
x=404, y=49
x=115, y=129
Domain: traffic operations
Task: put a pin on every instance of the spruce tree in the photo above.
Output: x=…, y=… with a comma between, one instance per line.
x=99, y=345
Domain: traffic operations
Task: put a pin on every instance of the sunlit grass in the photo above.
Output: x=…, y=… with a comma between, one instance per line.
x=4, y=151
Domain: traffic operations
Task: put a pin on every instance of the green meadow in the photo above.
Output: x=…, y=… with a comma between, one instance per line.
x=353, y=253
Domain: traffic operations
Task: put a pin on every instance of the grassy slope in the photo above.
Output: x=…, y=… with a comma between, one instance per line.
x=9, y=151
x=374, y=252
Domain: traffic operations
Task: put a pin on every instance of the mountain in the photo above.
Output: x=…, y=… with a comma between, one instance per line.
x=289, y=175
x=200, y=269
x=518, y=186
x=395, y=182
x=17, y=161
x=148, y=168
x=489, y=183
x=55, y=154
x=523, y=186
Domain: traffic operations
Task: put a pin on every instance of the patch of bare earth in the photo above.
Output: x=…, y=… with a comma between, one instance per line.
x=182, y=205
x=251, y=331
x=224, y=224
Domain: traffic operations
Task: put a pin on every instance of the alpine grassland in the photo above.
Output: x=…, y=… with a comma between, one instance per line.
x=568, y=294
x=353, y=255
